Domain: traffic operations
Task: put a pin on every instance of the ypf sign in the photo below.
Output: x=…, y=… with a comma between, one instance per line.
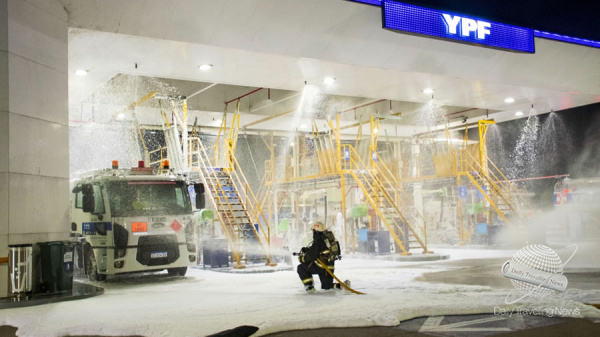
x=425, y=21
x=481, y=29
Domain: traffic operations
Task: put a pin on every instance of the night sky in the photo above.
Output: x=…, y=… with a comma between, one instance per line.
x=575, y=18
x=566, y=143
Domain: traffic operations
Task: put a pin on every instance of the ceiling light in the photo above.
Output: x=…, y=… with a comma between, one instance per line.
x=375, y=130
x=81, y=72
x=428, y=91
x=329, y=80
x=121, y=116
x=509, y=100
x=205, y=67
x=519, y=113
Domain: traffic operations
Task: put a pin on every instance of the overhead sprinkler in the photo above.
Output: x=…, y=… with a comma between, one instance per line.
x=532, y=111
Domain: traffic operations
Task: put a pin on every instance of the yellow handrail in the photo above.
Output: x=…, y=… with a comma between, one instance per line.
x=202, y=158
x=397, y=187
x=257, y=210
x=505, y=191
x=161, y=150
x=252, y=206
x=354, y=166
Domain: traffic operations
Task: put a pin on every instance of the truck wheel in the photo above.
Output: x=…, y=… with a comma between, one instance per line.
x=91, y=267
x=177, y=271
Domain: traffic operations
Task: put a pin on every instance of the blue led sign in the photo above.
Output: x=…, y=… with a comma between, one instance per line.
x=370, y=2
x=419, y=20
x=564, y=38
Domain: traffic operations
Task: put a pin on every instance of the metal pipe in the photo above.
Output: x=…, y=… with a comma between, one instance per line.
x=276, y=102
x=250, y=93
x=444, y=129
x=202, y=90
x=457, y=112
x=267, y=119
x=368, y=121
x=535, y=178
x=363, y=105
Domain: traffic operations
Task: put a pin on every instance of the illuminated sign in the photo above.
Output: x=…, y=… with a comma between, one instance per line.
x=369, y=2
x=459, y=27
x=569, y=39
x=467, y=26
x=419, y=20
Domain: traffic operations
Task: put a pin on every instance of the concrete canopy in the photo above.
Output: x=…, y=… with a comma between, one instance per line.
x=281, y=44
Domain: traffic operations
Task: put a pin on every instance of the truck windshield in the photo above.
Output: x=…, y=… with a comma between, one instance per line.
x=147, y=198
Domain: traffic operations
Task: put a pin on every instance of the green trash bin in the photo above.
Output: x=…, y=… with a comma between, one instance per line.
x=57, y=266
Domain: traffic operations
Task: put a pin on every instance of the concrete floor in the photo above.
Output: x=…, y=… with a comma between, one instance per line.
x=484, y=272
x=530, y=326
x=447, y=326
x=487, y=272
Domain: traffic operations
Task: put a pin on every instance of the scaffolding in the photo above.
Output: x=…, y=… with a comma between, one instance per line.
x=392, y=185
x=392, y=181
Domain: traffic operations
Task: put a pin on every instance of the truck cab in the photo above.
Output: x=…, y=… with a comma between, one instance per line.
x=134, y=220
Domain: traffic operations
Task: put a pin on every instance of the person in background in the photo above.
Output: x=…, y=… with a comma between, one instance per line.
x=317, y=249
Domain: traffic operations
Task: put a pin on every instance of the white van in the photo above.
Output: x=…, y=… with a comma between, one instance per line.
x=131, y=220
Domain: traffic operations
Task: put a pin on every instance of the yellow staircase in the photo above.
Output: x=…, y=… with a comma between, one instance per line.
x=471, y=162
x=502, y=196
x=405, y=227
x=235, y=205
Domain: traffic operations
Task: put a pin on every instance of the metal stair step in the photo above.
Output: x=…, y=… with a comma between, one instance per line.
x=239, y=212
x=223, y=204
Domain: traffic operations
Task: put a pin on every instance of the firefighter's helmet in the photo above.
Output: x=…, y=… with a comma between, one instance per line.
x=319, y=227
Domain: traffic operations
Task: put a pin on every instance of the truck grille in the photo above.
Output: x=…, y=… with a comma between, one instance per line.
x=156, y=250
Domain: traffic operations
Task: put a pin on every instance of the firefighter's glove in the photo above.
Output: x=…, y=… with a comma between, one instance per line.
x=303, y=251
x=326, y=255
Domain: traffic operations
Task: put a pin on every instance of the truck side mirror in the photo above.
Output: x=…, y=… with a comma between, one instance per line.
x=200, y=201
x=89, y=202
x=87, y=189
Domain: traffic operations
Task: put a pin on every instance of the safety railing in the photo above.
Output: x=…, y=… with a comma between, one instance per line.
x=403, y=200
x=200, y=160
x=498, y=185
x=160, y=152
x=381, y=201
x=251, y=202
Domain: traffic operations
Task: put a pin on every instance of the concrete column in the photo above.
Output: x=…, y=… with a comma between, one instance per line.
x=34, y=142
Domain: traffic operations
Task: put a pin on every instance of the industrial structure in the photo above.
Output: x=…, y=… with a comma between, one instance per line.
x=375, y=192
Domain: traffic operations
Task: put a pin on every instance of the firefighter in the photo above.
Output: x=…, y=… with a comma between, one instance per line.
x=309, y=265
